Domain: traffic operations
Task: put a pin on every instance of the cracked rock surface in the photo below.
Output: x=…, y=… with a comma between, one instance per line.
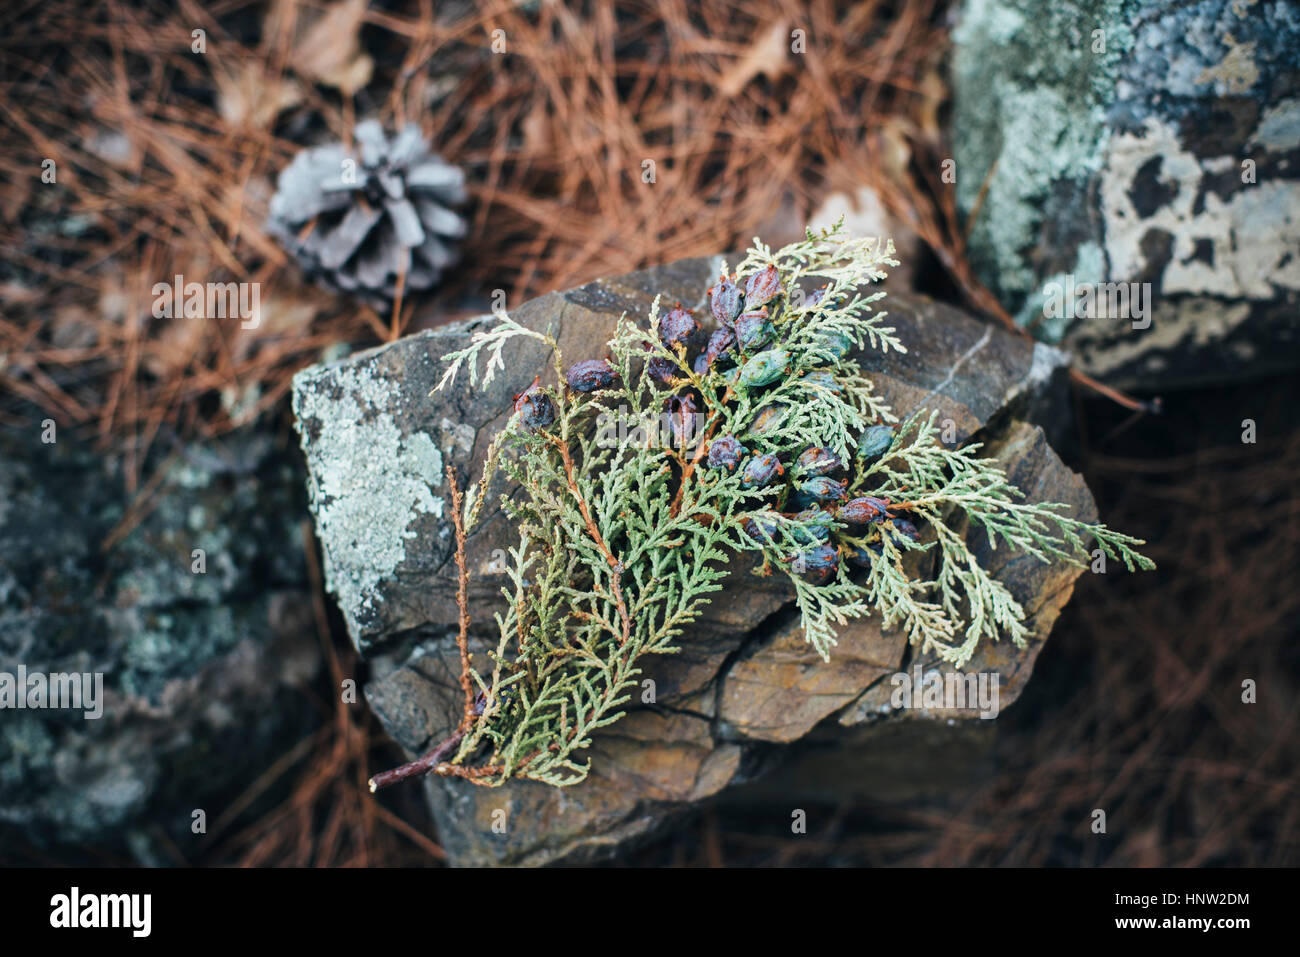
x=745, y=685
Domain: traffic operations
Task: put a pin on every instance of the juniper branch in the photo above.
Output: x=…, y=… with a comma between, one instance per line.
x=621, y=544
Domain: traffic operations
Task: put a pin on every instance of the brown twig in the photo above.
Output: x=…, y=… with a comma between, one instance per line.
x=422, y=765
x=700, y=447
x=1116, y=396
x=432, y=761
x=462, y=601
x=615, y=565
x=395, y=321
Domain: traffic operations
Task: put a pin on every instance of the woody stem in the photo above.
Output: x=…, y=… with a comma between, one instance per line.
x=421, y=765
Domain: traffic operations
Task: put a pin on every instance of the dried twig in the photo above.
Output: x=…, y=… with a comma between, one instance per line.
x=462, y=600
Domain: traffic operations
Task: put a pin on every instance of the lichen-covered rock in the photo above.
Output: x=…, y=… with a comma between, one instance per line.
x=1133, y=141
x=744, y=685
x=194, y=663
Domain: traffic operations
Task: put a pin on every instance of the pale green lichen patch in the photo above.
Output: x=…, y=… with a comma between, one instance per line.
x=1032, y=84
x=368, y=481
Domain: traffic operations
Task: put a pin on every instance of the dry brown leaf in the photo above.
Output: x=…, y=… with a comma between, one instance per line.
x=893, y=141
x=767, y=56
x=282, y=312
x=328, y=49
x=537, y=133
x=248, y=96
x=933, y=93
x=865, y=214
x=74, y=327
x=176, y=343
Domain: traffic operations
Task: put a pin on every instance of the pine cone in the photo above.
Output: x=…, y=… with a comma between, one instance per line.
x=380, y=212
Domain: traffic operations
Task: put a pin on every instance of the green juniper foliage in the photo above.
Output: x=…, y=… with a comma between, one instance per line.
x=768, y=440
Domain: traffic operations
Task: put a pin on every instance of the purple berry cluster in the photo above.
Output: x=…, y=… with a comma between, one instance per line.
x=815, y=494
x=811, y=487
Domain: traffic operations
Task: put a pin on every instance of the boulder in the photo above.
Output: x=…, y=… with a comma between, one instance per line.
x=1135, y=141
x=194, y=659
x=745, y=686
